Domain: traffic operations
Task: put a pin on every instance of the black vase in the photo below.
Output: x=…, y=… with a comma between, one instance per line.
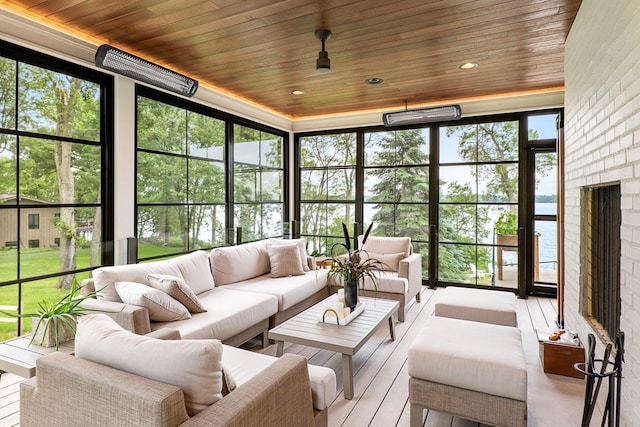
x=351, y=294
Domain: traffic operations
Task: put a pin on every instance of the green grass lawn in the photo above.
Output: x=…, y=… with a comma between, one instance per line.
x=34, y=262
x=40, y=261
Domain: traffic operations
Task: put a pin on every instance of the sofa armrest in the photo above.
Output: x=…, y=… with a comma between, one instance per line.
x=278, y=396
x=165, y=334
x=410, y=268
x=71, y=392
x=131, y=317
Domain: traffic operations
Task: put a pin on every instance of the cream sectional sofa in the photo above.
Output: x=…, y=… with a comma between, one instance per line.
x=234, y=285
x=118, y=378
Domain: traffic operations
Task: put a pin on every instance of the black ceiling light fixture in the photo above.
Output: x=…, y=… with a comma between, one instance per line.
x=323, y=64
x=118, y=61
x=423, y=115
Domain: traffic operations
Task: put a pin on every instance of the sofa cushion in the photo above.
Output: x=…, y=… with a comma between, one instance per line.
x=388, y=281
x=177, y=289
x=301, y=244
x=161, y=306
x=192, y=365
x=471, y=355
x=105, y=277
x=229, y=312
x=387, y=262
x=386, y=245
x=289, y=290
x=244, y=365
x=479, y=305
x=195, y=270
x=284, y=260
x=232, y=264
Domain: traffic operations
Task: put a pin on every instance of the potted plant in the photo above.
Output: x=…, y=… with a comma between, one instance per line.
x=54, y=322
x=352, y=267
x=507, y=223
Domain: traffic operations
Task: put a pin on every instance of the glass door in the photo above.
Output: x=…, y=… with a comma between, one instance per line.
x=542, y=212
x=545, y=251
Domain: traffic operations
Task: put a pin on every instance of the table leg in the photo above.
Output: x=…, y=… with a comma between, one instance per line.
x=279, y=348
x=392, y=331
x=347, y=376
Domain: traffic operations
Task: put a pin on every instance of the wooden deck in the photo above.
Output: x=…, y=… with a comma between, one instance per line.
x=380, y=381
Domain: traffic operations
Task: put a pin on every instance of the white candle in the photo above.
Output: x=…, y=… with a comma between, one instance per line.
x=341, y=295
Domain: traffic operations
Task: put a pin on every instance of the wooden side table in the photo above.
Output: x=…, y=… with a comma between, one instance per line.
x=324, y=263
x=19, y=358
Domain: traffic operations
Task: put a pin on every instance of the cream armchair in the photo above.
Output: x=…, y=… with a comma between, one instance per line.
x=401, y=279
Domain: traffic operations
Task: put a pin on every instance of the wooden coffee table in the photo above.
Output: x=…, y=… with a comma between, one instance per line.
x=305, y=329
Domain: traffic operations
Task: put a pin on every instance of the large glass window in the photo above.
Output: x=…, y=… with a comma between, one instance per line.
x=185, y=176
x=181, y=183
x=327, y=188
x=456, y=189
x=54, y=192
x=478, y=206
x=396, y=186
x=258, y=183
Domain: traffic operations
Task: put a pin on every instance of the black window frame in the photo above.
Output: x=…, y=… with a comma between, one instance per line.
x=232, y=236
x=34, y=221
x=105, y=141
x=525, y=284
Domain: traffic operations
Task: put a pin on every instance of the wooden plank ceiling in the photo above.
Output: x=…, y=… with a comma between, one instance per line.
x=261, y=50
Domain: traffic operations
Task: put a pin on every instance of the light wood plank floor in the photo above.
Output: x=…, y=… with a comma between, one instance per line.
x=380, y=383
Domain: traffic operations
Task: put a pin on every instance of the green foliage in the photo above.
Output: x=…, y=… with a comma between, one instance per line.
x=507, y=223
x=64, y=311
x=316, y=253
x=355, y=265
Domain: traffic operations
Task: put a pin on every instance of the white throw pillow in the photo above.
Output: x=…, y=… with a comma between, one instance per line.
x=177, y=289
x=193, y=365
x=388, y=262
x=162, y=308
x=194, y=269
x=301, y=244
x=231, y=264
x=285, y=261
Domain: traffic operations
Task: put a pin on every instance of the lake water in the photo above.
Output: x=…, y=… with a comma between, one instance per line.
x=547, y=243
x=548, y=236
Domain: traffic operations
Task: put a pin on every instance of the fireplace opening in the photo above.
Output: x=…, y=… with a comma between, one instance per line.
x=601, y=250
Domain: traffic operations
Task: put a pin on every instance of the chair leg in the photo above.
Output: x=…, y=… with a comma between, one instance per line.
x=418, y=297
x=415, y=413
x=401, y=314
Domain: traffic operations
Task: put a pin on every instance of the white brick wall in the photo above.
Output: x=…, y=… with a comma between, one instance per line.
x=602, y=133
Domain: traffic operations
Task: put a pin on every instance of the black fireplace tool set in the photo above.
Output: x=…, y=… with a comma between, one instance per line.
x=595, y=377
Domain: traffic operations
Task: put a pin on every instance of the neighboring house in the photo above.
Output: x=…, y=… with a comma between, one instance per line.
x=36, y=223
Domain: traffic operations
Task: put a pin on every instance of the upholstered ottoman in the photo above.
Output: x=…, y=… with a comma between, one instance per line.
x=470, y=369
x=479, y=305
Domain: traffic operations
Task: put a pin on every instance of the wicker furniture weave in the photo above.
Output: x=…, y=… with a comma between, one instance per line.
x=71, y=392
x=470, y=369
x=469, y=404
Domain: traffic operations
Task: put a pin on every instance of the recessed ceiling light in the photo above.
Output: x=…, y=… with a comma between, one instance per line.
x=373, y=81
x=468, y=66
x=297, y=92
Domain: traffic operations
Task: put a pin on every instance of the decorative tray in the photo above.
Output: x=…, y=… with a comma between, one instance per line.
x=329, y=315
